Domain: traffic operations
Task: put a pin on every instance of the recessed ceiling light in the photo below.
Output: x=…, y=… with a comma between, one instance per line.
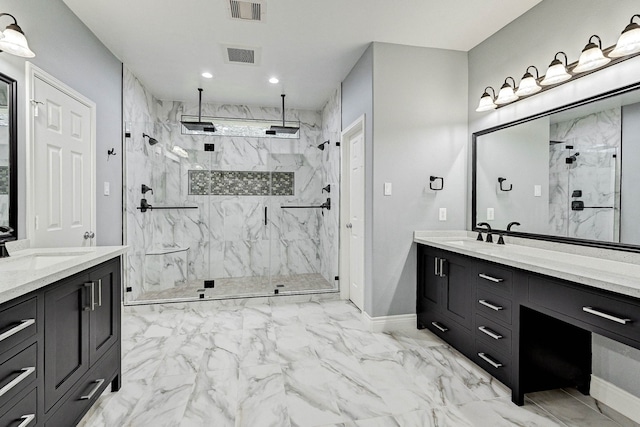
x=207, y=75
x=273, y=80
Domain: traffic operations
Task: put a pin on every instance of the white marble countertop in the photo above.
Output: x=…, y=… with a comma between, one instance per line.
x=30, y=269
x=598, y=272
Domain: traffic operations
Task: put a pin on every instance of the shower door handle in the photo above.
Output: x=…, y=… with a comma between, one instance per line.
x=265, y=215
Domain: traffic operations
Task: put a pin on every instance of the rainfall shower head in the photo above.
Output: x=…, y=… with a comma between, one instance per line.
x=152, y=140
x=569, y=160
x=199, y=125
x=284, y=129
x=321, y=146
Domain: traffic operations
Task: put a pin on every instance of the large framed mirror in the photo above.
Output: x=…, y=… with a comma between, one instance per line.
x=8, y=158
x=568, y=175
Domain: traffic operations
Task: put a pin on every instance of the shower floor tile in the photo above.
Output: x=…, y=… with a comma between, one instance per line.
x=242, y=287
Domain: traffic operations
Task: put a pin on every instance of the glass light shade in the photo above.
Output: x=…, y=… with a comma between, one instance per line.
x=590, y=59
x=506, y=95
x=628, y=43
x=557, y=73
x=486, y=103
x=15, y=43
x=528, y=86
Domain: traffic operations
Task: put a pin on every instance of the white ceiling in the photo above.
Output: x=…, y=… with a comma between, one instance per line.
x=310, y=45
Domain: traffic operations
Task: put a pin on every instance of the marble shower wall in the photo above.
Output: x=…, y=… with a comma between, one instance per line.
x=596, y=172
x=225, y=236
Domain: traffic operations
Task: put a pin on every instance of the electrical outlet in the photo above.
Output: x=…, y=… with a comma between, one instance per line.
x=107, y=188
x=442, y=215
x=537, y=190
x=387, y=188
x=490, y=214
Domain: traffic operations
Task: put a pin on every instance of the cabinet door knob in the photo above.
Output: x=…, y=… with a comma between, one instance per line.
x=349, y=225
x=89, y=235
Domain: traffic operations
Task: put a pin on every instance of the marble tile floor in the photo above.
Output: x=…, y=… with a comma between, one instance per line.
x=243, y=287
x=308, y=362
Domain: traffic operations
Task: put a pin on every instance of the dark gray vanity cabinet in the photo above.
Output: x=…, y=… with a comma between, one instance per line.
x=73, y=346
x=444, y=300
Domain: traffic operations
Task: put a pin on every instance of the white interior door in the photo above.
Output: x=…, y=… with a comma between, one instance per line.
x=62, y=176
x=353, y=249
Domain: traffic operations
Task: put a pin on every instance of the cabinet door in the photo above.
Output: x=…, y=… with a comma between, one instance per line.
x=66, y=332
x=105, y=314
x=428, y=282
x=458, y=288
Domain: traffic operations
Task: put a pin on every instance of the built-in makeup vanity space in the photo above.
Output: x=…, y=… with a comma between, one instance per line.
x=524, y=314
x=59, y=333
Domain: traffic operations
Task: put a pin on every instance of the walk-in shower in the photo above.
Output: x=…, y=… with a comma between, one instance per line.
x=228, y=215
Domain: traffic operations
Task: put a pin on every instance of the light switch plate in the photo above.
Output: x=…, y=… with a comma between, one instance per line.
x=537, y=190
x=387, y=188
x=442, y=215
x=490, y=214
x=107, y=188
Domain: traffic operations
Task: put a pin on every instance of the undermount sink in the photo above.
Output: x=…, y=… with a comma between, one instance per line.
x=36, y=261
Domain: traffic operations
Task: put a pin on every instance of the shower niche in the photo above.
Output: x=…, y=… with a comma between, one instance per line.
x=219, y=210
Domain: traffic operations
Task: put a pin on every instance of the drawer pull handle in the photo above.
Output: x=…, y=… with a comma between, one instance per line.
x=17, y=380
x=491, y=306
x=439, y=327
x=489, y=332
x=595, y=312
x=492, y=279
x=98, y=384
x=27, y=420
x=99, y=292
x=24, y=324
x=490, y=361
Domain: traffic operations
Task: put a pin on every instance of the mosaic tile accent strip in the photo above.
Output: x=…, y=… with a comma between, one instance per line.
x=4, y=179
x=239, y=183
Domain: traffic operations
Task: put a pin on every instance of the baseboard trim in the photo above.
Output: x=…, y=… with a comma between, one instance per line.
x=615, y=398
x=390, y=323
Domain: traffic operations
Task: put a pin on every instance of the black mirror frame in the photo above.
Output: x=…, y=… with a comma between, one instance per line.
x=12, y=100
x=559, y=239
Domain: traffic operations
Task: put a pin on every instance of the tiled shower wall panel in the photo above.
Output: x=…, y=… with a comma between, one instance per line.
x=591, y=132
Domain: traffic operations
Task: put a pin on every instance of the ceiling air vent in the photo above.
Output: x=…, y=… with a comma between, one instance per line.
x=241, y=55
x=246, y=10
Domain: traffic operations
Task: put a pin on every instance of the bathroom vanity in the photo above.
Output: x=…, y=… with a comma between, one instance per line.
x=524, y=314
x=59, y=333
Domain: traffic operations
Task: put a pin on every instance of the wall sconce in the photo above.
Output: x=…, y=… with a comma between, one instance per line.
x=629, y=41
x=591, y=57
x=506, y=94
x=486, y=101
x=528, y=84
x=13, y=41
x=557, y=72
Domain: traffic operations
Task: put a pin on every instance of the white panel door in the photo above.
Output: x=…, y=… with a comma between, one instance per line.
x=63, y=172
x=356, y=218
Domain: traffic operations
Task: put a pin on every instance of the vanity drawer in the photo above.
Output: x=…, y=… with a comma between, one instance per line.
x=493, y=306
x=17, y=323
x=17, y=372
x=494, y=334
x=495, y=363
x=617, y=314
x=451, y=332
x=23, y=413
x=498, y=279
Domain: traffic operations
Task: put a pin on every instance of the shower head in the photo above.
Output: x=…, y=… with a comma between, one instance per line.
x=152, y=140
x=199, y=125
x=321, y=146
x=284, y=129
x=569, y=160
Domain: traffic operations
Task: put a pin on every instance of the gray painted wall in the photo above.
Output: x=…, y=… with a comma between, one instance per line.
x=419, y=129
x=630, y=200
x=534, y=38
x=66, y=49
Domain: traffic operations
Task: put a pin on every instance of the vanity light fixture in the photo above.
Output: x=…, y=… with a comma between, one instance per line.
x=486, y=101
x=591, y=57
x=629, y=41
x=557, y=72
x=13, y=40
x=529, y=85
x=506, y=94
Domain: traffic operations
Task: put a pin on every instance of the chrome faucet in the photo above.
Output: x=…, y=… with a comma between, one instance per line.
x=5, y=236
x=489, y=236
